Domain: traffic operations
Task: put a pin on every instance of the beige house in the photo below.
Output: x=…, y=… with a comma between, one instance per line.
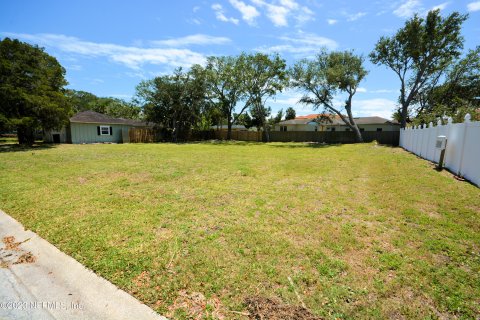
x=314, y=122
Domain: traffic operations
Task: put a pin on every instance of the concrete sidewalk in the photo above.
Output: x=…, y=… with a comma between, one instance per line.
x=38, y=281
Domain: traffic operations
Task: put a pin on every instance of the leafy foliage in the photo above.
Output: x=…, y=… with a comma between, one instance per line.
x=264, y=77
x=290, y=113
x=175, y=102
x=247, y=78
x=114, y=107
x=31, y=90
x=224, y=81
x=457, y=96
x=327, y=75
x=420, y=53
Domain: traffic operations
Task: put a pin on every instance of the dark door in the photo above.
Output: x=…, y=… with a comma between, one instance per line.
x=56, y=138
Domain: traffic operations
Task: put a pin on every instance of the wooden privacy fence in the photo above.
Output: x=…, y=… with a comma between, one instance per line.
x=141, y=135
x=383, y=137
x=462, y=154
x=240, y=135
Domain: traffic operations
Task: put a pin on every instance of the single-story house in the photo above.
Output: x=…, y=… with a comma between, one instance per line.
x=315, y=122
x=93, y=127
x=235, y=127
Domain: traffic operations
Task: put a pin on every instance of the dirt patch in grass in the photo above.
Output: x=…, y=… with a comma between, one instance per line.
x=196, y=306
x=265, y=308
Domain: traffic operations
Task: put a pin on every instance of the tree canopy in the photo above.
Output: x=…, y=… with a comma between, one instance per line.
x=114, y=107
x=456, y=96
x=290, y=113
x=175, y=102
x=329, y=74
x=420, y=53
x=225, y=83
x=31, y=90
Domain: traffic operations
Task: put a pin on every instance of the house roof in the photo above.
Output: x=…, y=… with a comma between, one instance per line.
x=95, y=117
x=336, y=120
x=296, y=121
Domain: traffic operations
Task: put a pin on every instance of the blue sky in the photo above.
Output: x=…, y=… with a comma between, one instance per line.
x=108, y=47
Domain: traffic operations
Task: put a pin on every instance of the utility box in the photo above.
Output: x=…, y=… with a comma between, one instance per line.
x=441, y=142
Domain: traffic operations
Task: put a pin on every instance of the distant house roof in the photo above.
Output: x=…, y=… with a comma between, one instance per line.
x=336, y=120
x=95, y=117
x=297, y=121
x=373, y=120
x=310, y=116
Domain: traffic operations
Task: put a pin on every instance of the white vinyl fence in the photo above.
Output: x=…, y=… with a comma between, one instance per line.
x=462, y=155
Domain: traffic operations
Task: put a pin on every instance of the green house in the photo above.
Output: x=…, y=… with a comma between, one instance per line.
x=94, y=127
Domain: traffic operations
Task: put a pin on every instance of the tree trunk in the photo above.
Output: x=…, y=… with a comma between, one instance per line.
x=354, y=126
x=403, y=122
x=267, y=135
x=175, y=131
x=229, y=128
x=25, y=135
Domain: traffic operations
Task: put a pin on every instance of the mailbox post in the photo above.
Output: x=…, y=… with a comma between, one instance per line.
x=441, y=144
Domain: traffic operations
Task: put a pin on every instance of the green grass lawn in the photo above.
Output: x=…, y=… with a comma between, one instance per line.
x=362, y=231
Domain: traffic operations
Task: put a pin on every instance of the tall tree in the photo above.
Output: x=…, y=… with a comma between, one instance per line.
x=290, y=113
x=419, y=53
x=31, y=90
x=456, y=96
x=225, y=82
x=264, y=76
x=327, y=75
x=114, y=107
x=278, y=117
x=174, y=102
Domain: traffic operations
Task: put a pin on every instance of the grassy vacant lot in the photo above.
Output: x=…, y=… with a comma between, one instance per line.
x=362, y=231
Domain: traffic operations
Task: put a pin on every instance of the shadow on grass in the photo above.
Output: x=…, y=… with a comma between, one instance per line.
x=293, y=145
x=15, y=147
x=269, y=144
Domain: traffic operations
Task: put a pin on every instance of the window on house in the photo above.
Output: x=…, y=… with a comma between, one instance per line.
x=362, y=129
x=379, y=129
x=347, y=129
x=332, y=129
x=283, y=128
x=104, y=130
x=316, y=128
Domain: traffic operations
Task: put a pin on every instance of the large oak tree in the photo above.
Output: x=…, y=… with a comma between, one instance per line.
x=328, y=75
x=420, y=53
x=31, y=90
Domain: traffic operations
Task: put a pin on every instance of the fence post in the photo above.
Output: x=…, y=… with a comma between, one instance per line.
x=466, y=122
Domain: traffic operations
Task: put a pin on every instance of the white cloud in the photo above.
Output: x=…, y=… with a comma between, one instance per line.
x=195, y=21
x=374, y=107
x=361, y=90
x=279, y=12
x=220, y=14
x=301, y=45
x=408, y=8
x=473, y=6
x=441, y=6
x=196, y=39
x=331, y=21
x=304, y=15
x=130, y=56
x=74, y=67
x=355, y=16
x=249, y=13
x=383, y=91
